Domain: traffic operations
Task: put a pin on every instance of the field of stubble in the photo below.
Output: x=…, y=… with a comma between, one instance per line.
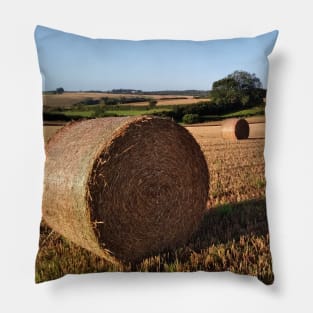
x=232, y=237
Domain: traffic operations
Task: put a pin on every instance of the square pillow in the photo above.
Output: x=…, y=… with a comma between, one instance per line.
x=154, y=155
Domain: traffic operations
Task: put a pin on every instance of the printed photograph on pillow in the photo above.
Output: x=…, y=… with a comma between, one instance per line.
x=154, y=155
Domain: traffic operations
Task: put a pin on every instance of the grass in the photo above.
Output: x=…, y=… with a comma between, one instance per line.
x=232, y=237
x=117, y=111
x=255, y=111
x=260, y=110
x=78, y=113
x=128, y=110
x=135, y=112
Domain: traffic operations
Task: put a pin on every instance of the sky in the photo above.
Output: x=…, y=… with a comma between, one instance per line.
x=79, y=63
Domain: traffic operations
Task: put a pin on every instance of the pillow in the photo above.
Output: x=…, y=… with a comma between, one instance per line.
x=154, y=155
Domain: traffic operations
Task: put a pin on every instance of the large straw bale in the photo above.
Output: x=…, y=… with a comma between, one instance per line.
x=124, y=188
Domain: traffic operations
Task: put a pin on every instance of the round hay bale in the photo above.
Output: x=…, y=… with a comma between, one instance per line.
x=125, y=188
x=235, y=128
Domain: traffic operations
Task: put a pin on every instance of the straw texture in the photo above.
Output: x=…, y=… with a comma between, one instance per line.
x=235, y=128
x=125, y=188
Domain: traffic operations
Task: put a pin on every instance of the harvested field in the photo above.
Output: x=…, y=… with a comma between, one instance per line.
x=49, y=131
x=214, y=130
x=199, y=131
x=69, y=99
x=233, y=235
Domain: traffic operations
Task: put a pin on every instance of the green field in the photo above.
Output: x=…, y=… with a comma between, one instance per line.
x=92, y=111
x=260, y=110
x=116, y=112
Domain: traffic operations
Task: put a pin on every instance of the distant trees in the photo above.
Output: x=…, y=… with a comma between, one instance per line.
x=126, y=91
x=100, y=111
x=122, y=100
x=90, y=101
x=239, y=89
x=59, y=90
x=152, y=103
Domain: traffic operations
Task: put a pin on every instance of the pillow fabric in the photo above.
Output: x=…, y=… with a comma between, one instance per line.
x=154, y=155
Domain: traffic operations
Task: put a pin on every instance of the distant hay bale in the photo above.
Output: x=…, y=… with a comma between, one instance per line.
x=124, y=187
x=235, y=128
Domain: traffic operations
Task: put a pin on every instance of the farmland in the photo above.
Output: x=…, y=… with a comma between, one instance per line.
x=199, y=107
x=69, y=99
x=75, y=105
x=233, y=235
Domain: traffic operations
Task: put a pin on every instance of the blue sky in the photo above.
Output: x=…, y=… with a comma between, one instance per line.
x=79, y=63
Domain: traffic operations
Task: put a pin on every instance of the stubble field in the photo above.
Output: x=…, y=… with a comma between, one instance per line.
x=69, y=99
x=233, y=235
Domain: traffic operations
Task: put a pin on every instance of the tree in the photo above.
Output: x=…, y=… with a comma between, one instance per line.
x=152, y=103
x=100, y=111
x=191, y=118
x=246, y=80
x=239, y=89
x=59, y=90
